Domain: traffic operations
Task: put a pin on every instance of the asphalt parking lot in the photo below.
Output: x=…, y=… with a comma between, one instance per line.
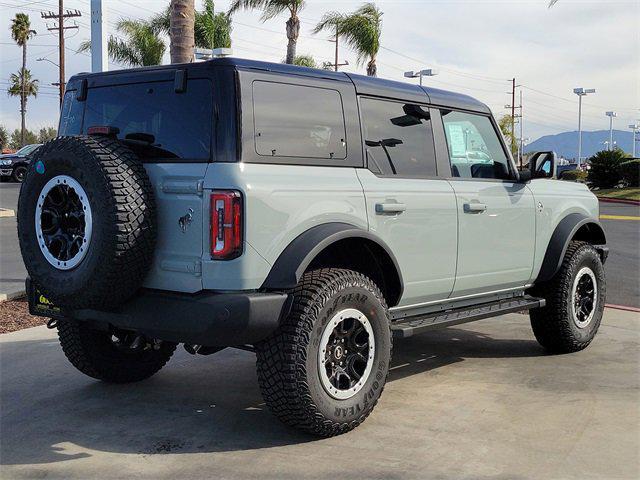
x=479, y=402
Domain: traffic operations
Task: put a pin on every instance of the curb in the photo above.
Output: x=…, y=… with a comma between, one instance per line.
x=5, y=297
x=619, y=200
x=622, y=307
x=4, y=212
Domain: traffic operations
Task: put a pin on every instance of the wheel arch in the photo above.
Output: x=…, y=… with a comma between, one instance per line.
x=338, y=245
x=575, y=226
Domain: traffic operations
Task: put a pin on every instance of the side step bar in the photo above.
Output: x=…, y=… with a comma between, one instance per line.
x=415, y=325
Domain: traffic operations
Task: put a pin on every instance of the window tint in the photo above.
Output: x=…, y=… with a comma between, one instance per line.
x=474, y=146
x=398, y=138
x=71, y=115
x=297, y=121
x=154, y=120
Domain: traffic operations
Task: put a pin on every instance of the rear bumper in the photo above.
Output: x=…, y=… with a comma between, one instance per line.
x=206, y=318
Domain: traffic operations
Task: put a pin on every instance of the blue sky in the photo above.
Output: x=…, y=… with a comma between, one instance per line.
x=477, y=45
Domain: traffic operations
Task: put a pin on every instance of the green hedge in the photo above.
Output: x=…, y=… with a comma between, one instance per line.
x=605, y=168
x=630, y=173
x=574, y=176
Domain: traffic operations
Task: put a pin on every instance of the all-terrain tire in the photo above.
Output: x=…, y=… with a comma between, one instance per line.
x=555, y=325
x=123, y=234
x=94, y=353
x=288, y=364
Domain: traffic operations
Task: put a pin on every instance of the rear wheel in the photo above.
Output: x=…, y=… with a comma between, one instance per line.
x=324, y=370
x=116, y=356
x=575, y=301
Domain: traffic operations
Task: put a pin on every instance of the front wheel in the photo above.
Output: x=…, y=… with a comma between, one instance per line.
x=19, y=173
x=324, y=369
x=575, y=301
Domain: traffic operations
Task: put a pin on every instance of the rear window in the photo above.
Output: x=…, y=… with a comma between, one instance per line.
x=154, y=120
x=298, y=121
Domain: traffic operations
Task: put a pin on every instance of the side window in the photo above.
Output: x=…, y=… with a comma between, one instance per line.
x=398, y=138
x=298, y=121
x=71, y=115
x=475, y=150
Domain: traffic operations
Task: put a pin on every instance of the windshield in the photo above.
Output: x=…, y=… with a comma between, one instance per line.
x=27, y=149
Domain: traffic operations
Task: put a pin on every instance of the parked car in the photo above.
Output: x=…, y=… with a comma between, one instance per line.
x=14, y=165
x=307, y=215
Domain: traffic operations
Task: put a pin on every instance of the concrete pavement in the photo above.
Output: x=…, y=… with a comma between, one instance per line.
x=479, y=402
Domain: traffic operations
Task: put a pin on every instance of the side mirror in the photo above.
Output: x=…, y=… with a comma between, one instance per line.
x=543, y=165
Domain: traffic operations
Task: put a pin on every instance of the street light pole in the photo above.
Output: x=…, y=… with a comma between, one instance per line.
x=610, y=115
x=581, y=92
x=633, y=128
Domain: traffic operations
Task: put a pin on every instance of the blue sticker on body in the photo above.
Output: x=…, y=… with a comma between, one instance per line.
x=40, y=167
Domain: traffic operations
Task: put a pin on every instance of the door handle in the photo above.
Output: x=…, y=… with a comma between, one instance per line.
x=474, y=207
x=390, y=208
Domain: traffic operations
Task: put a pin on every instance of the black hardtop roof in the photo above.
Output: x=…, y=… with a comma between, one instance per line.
x=364, y=85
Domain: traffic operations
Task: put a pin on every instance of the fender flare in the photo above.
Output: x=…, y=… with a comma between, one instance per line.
x=565, y=231
x=288, y=269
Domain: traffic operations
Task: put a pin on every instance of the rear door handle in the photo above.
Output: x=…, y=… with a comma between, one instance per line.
x=390, y=208
x=474, y=207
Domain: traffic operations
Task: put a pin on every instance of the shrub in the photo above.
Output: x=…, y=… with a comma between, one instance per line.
x=630, y=173
x=605, y=168
x=574, y=176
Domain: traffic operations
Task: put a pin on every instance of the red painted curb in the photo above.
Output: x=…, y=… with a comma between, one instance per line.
x=622, y=307
x=618, y=200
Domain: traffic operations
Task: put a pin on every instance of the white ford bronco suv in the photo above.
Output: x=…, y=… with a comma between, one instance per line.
x=307, y=215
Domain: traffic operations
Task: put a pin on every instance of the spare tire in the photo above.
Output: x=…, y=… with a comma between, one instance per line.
x=86, y=222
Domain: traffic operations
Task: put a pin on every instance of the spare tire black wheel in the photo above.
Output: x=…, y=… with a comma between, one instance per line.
x=86, y=222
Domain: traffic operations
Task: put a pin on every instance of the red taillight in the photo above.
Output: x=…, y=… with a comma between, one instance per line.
x=226, y=224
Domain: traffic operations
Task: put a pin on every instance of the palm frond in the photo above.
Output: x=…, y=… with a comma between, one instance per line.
x=329, y=21
x=21, y=29
x=17, y=88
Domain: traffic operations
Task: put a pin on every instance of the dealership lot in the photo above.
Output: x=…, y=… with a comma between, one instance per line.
x=483, y=401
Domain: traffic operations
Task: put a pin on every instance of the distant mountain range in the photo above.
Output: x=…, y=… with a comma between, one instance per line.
x=566, y=144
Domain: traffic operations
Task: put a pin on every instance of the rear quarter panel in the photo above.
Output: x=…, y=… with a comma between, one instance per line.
x=281, y=202
x=555, y=199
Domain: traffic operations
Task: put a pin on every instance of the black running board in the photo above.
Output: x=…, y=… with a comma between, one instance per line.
x=415, y=325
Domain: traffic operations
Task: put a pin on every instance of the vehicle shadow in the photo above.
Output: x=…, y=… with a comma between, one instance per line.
x=52, y=413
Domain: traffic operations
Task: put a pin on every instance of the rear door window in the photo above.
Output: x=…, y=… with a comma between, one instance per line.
x=154, y=120
x=298, y=121
x=398, y=138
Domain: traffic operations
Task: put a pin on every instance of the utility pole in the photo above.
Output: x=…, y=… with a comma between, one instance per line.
x=336, y=63
x=513, y=113
x=60, y=28
x=521, y=145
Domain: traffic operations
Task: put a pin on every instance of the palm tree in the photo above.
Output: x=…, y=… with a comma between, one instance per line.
x=182, y=31
x=141, y=45
x=273, y=8
x=361, y=30
x=212, y=30
x=22, y=85
x=552, y=3
x=304, y=61
x=21, y=33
